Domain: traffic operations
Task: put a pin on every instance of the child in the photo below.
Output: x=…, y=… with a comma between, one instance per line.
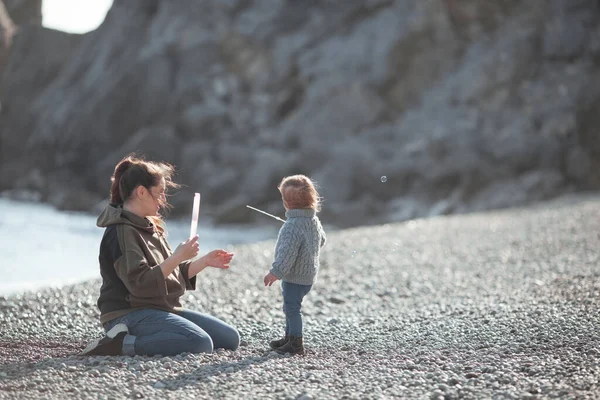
x=296, y=260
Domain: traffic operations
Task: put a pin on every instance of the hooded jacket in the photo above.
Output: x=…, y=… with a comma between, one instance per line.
x=131, y=252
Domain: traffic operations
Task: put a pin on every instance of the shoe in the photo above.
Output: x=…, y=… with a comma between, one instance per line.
x=294, y=345
x=279, y=342
x=109, y=345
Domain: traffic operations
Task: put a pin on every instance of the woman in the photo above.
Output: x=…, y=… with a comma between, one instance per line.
x=142, y=279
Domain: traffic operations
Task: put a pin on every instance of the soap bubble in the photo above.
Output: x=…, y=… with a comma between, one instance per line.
x=384, y=179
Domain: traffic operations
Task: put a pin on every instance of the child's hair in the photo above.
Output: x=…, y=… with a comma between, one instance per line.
x=133, y=171
x=299, y=191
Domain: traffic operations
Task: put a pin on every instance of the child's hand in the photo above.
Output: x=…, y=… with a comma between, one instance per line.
x=269, y=279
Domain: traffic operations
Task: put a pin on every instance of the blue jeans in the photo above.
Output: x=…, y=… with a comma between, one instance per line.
x=154, y=332
x=293, y=295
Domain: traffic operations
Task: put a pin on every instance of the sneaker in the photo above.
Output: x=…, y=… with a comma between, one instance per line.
x=294, y=345
x=109, y=345
x=279, y=342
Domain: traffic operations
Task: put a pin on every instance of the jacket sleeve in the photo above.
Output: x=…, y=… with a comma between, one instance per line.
x=140, y=279
x=286, y=250
x=190, y=283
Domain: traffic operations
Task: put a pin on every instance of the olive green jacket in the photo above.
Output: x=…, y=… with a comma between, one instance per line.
x=131, y=252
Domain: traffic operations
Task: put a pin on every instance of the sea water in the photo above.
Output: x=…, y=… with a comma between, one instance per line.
x=41, y=246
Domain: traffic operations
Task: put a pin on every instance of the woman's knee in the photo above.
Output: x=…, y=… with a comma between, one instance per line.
x=199, y=343
x=233, y=339
x=229, y=338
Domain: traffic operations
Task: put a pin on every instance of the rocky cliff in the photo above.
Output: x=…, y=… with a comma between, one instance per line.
x=399, y=109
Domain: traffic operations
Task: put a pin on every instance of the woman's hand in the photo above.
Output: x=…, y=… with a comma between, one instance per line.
x=269, y=279
x=187, y=250
x=218, y=259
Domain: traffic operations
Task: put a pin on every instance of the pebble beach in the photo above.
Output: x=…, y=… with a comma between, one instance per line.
x=502, y=305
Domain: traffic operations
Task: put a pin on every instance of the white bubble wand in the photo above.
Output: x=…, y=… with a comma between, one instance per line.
x=266, y=213
x=195, y=213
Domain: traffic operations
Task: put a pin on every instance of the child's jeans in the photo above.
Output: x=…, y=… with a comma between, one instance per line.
x=292, y=304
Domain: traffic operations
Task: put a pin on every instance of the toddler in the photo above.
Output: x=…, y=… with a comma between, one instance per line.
x=296, y=260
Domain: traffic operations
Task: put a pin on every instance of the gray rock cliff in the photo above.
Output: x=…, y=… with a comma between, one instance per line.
x=398, y=109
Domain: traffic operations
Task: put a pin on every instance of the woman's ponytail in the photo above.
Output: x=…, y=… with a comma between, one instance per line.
x=115, y=187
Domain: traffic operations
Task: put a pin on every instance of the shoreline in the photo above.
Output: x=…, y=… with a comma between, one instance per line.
x=70, y=254
x=500, y=303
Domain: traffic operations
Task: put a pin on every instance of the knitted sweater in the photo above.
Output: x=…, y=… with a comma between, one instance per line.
x=298, y=246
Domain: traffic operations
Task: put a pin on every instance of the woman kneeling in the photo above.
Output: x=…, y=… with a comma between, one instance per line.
x=143, y=279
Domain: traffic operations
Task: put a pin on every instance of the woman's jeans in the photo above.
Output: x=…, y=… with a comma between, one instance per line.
x=154, y=332
x=293, y=294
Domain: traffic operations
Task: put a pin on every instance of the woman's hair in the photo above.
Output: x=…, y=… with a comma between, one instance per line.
x=133, y=171
x=299, y=191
